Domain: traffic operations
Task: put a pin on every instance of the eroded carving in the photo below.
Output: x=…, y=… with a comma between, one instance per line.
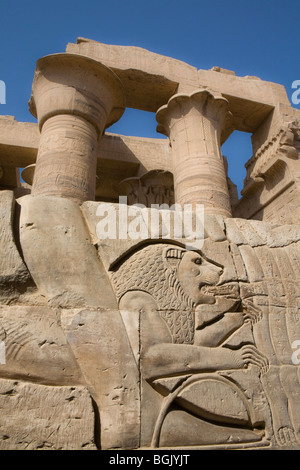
x=154, y=187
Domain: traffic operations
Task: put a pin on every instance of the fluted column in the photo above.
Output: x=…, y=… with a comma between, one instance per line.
x=74, y=99
x=194, y=124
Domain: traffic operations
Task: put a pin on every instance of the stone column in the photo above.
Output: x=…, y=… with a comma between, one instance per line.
x=74, y=99
x=194, y=124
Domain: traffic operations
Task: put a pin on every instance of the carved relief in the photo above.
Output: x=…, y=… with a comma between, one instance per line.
x=182, y=356
x=284, y=143
x=154, y=187
x=270, y=255
x=270, y=188
x=211, y=345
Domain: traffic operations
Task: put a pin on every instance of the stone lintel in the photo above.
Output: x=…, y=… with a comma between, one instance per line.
x=150, y=80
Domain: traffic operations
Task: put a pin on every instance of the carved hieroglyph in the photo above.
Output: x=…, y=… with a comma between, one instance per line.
x=147, y=342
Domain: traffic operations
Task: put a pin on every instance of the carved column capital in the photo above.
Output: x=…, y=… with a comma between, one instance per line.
x=74, y=84
x=210, y=105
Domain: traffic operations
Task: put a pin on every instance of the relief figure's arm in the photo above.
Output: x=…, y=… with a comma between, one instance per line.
x=167, y=359
x=160, y=357
x=216, y=333
x=163, y=360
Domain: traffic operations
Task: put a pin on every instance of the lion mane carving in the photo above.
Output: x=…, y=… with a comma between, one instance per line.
x=154, y=269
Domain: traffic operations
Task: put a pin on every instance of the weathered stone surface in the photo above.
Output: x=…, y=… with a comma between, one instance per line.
x=151, y=79
x=101, y=347
x=132, y=226
x=15, y=280
x=271, y=187
x=58, y=251
x=12, y=267
x=40, y=417
x=140, y=70
x=35, y=347
x=19, y=142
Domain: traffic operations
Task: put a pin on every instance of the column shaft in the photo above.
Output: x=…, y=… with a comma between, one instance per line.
x=194, y=124
x=67, y=158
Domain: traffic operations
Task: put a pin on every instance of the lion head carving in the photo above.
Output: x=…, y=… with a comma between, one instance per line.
x=174, y=277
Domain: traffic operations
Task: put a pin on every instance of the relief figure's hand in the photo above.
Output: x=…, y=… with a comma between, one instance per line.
x=251, y=313
x=249, y=354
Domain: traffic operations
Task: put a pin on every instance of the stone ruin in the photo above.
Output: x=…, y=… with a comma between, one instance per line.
x=127, y=343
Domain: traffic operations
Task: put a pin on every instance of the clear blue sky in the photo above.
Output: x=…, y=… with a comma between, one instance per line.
x=251, y=37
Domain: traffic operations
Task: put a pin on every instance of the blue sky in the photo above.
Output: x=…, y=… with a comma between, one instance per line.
x=251, y=37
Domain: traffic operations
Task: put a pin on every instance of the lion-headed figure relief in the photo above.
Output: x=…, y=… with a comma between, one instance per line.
x=167, y=286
